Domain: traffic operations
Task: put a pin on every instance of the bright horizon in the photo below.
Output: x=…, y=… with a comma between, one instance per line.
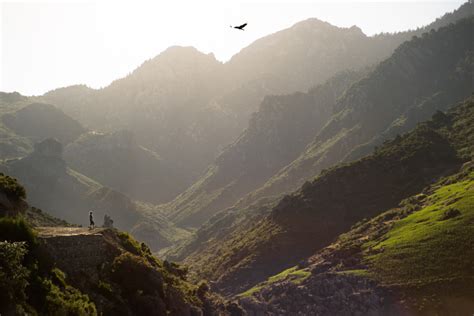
x=44, y=46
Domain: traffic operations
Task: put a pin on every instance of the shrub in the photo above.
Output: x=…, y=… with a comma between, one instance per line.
x=134, y=273
x=203, y=289
x=16, y=229
x=450, y=213
x=11, y=187
x=129, y=243
x=66, y=300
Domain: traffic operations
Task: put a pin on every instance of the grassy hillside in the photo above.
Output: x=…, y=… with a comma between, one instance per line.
x=416, y=258
x=313, y=216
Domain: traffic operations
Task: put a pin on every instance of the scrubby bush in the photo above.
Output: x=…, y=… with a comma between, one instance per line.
x=203, y=289
x=17, y=229
x=129, y=243
x=450, y=213
x=63, y=299
x=141, y=284
x=11, y=187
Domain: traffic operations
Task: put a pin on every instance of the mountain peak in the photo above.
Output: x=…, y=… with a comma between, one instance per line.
x=311, y=22
x=177, y=51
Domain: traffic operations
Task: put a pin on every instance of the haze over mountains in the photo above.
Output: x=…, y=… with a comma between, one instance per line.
x=267, y=175
x=198, y=105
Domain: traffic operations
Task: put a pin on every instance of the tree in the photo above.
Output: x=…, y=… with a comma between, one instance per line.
x=13, y=276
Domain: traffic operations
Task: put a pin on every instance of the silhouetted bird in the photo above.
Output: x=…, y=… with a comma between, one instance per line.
x=240, y=27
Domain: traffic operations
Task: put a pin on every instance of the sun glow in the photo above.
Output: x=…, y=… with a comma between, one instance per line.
x=48, y=45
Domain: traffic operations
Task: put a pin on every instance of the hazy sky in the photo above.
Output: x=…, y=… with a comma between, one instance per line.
x=46, y=45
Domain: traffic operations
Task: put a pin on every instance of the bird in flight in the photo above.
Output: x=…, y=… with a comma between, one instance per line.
x=240, y=27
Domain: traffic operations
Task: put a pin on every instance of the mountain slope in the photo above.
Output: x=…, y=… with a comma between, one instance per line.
x=39, y=121
x=422, y=76
x=414, y=259
x=79, y=271
x=119, y=162
x=273, y=156
x=310, y=218
x=277, y=133
x=161, y=102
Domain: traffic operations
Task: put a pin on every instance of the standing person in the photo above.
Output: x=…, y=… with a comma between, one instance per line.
x=91, y=220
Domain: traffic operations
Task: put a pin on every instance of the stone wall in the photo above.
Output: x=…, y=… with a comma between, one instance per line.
x=77, y=255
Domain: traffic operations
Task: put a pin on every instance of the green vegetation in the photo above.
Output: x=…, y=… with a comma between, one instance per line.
x=11, y=187
x=63, y=299
x=293, y=275
x=13, y=277
x=17, y=229
x=428, y=246
x=357, y=272
x=137, y=281
x=28, y=284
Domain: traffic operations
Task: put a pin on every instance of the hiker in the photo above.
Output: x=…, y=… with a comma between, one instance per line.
x=91, y=221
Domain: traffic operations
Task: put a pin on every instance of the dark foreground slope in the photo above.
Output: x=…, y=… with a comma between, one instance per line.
x=77, y=271
x=415, y=259
x=313, y=216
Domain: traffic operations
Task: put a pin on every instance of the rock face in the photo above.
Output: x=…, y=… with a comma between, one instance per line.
x=76, y=251
x=326, y=294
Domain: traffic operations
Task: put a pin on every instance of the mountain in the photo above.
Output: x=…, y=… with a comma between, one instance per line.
x=186, y=106
x=119, y=162
x=45, y=175
x=39, y=121
x=273, y=156
x=422, y=76
x=309, y=219
x=52, y=185
x=166, y=103
x=277, y=133
x=11, y=144
x=390, y=264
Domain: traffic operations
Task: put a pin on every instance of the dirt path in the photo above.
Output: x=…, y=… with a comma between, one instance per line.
x=67, y=231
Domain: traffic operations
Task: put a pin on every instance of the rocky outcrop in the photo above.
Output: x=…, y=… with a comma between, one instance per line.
x=79, y=252
x=323, y=294
x=122, y=277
